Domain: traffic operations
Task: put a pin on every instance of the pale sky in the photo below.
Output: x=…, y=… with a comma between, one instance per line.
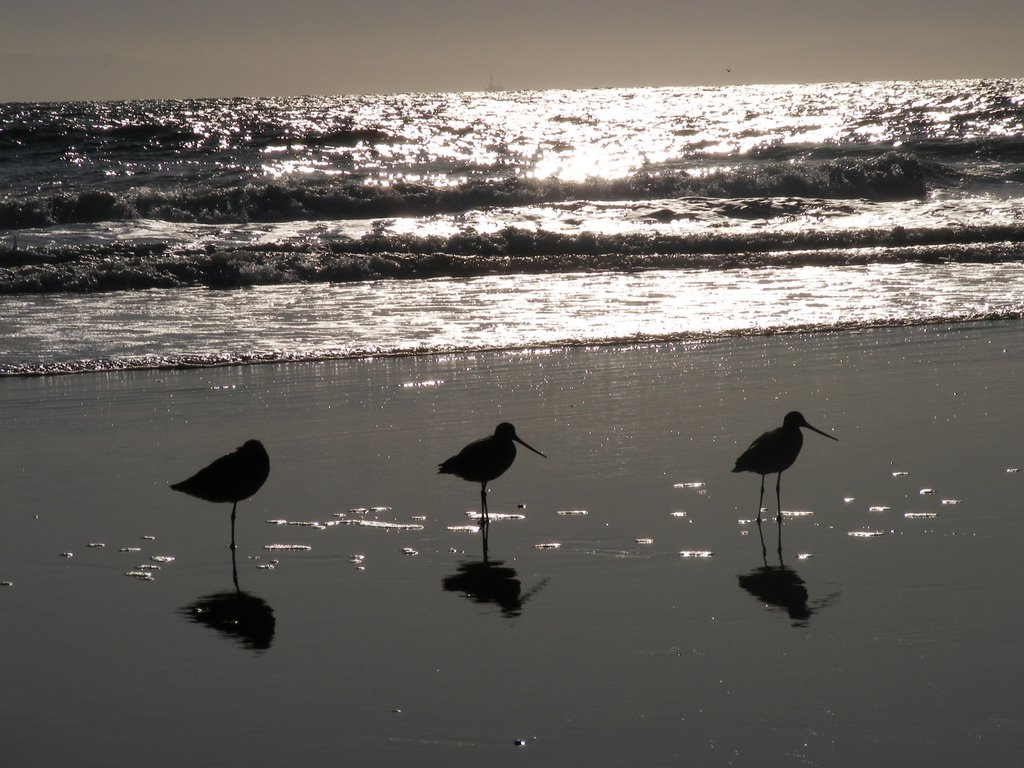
x=114, y=49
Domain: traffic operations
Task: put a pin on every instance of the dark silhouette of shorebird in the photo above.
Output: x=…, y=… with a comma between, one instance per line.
x=484, y=460
x=233, y=477
x=774, y=452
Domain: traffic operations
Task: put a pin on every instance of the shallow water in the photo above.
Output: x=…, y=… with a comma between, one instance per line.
x=615, y=649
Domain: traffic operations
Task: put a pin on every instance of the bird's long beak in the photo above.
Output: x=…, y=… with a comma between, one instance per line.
x=527, y=445
x=815, y=429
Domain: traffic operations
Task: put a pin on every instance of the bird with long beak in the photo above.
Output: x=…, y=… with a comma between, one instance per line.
x=774, y=452
x=484, y=460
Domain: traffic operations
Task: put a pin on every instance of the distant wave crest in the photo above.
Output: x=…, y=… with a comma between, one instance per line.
x=891, y=176
x=115, y=266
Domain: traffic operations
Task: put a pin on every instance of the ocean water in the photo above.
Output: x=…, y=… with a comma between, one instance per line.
x=628, y=614
x=172, y=233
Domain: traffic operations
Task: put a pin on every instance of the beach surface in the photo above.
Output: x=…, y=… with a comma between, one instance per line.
x=597, y=633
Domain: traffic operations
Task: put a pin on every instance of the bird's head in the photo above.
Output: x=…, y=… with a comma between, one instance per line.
x=795, y=420
x=506, y=431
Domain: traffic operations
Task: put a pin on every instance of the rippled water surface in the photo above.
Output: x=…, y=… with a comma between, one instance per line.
x=625, y=615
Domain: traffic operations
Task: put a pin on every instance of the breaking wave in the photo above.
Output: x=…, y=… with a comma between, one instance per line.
x=888, y=177
x=113, y=266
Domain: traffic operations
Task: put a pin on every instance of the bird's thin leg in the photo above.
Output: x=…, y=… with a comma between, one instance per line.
x=484, y=529
x=764, y=549
x=778, y=497
x=233, y=508
x=484, y=517
x=234, y=570
x=760, y=501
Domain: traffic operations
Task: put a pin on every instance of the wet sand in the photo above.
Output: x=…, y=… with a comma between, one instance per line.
x=610, y=649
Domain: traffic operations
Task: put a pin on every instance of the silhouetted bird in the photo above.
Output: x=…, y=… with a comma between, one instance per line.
x=484, y=460
x=775, y=451
x=233, y=477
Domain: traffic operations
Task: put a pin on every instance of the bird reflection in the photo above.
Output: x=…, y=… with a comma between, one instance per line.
x=238, y=615
x=781, y=587
x=764, y=549
x=485, y=581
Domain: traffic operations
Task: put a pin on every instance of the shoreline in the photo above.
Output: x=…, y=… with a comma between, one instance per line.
x=155, y=363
